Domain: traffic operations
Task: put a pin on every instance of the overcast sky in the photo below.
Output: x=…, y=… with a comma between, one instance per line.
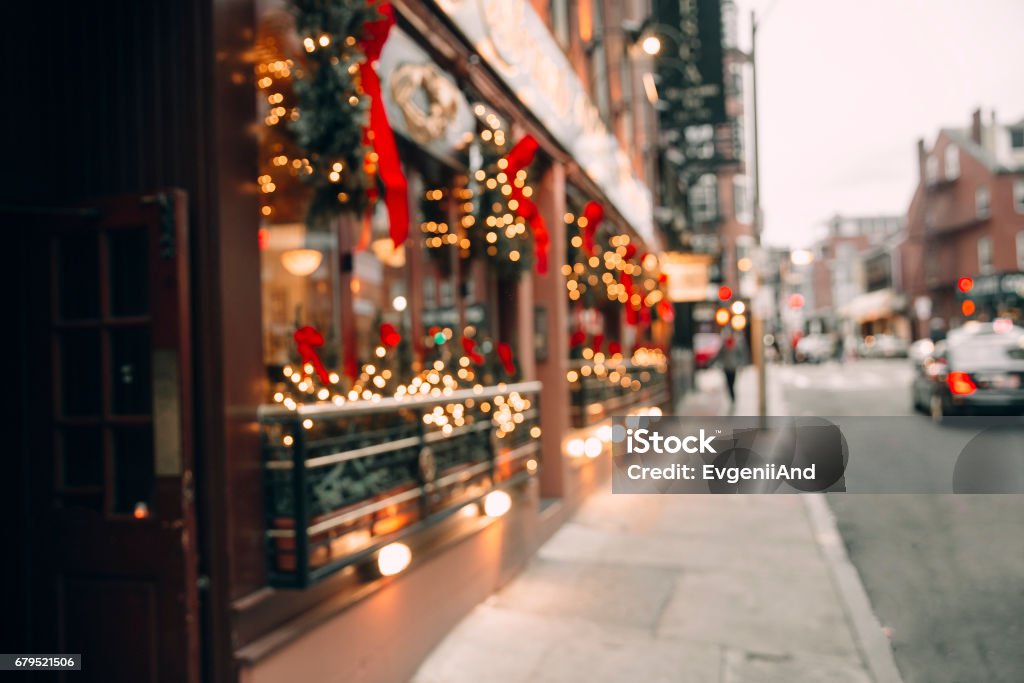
x=847, y=87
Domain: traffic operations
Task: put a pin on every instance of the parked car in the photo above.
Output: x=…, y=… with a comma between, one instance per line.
x=883, y=346
x=975, y=370
x=706, y=346
x=815, y=348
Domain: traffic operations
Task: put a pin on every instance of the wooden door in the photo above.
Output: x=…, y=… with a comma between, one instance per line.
x=113, y=534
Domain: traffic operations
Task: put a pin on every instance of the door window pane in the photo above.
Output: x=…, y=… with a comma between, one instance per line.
x=81, y=451
x=79, y=377
x=133, y=468
x=130, y=361
x=128, y=254
x=77, y=276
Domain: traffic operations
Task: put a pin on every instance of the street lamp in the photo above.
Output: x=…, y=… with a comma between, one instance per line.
x=647, y=35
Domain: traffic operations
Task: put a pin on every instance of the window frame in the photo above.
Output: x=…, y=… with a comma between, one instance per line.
x=951, y=162
x=982, y=210
x=985, y=254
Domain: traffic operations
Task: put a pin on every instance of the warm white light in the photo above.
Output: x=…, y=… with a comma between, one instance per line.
x=400, y=303
x=575, y=448
x=738, y=307
x=604, y=433
x=393, y=559
x=497, y=503
x=651, y=45
x=592, y=447
x=301, y=262
x=802, y=257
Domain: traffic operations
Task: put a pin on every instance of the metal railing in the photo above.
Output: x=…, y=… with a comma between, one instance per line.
x=601, y=392
x=343, y=481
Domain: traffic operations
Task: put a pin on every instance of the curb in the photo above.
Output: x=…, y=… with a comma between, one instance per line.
x=875, y=648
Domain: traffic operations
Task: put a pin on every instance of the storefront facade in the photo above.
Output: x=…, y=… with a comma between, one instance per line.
x=329, y=439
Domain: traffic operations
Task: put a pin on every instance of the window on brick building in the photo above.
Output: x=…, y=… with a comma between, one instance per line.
x=704, y=199
x=982, y=202
x=1020, y=250
x=931, y=170
x=952, y=170
x=1017, y=137
x=985, y=254
x=1018, y=195
x=741, y=199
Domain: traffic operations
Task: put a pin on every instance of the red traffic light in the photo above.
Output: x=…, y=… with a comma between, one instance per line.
x=724, y=293
x=965, y=284
x=796, y=300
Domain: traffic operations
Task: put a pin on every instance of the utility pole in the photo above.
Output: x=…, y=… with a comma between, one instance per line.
x=756, y=312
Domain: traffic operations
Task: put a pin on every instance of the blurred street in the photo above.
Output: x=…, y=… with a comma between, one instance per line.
x=944, y=572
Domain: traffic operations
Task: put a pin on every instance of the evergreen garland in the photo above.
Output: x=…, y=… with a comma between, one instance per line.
x=498, y=234
x=332, y=109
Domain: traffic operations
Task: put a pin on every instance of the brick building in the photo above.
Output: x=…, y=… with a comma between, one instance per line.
x=966, y=219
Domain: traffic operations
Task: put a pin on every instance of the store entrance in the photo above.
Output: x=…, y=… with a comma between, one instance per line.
x=111, y=533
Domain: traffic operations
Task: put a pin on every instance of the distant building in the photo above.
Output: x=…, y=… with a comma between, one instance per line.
x=851, y=276
x=966, y=219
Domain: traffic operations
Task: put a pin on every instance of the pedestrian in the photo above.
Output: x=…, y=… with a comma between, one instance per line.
x=731, y=358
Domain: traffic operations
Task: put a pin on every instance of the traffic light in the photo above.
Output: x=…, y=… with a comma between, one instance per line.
x=722, y=316
x=724, y=293
x=965, y=284
x=796, y=300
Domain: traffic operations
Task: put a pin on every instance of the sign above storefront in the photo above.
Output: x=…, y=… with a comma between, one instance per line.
x=424, y=104
x=514, y=41
x=689, y=276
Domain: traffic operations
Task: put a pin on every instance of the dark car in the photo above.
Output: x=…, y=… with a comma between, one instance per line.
x=977, y=370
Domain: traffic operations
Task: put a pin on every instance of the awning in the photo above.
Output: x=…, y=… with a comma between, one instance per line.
x=881, y=303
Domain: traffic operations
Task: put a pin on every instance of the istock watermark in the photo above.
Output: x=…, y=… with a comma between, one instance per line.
x=673, y=454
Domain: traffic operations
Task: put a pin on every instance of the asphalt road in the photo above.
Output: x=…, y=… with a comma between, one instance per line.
x=944, y=572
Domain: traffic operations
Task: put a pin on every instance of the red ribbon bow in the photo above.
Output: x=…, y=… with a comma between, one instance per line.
x=597, y=342
x=307, y=341
x=577, y=338
x=375, y=34
x=665, y=310
x=594, y=213
x=521, y=156
x=389, y=336
x=614, y=348
x=505, y=354
x=469, y=346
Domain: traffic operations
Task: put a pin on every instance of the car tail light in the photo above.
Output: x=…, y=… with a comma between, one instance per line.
x=960, y=383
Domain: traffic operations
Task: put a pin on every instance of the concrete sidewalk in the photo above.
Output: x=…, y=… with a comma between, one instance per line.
x=670, y=588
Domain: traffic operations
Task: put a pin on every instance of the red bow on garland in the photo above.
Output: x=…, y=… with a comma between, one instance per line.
x=518, y=158
x=469, y=346
x=594, y=213
x=614, y=348
x=307, y=341
x=597, y=343
x=396, y=197
x=505, y=354
x=577, y=338
x=389, y=336
x=665, y=310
